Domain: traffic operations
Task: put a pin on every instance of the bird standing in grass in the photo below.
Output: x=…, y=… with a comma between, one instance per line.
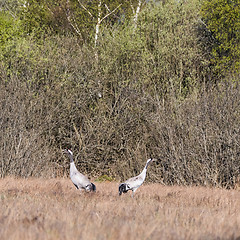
x=135, y=182
x=79, y=180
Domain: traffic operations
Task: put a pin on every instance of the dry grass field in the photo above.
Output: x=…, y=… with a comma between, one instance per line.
x=54, y=209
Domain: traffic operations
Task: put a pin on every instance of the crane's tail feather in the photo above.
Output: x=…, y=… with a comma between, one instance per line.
x=91, y=188
x=122, y=188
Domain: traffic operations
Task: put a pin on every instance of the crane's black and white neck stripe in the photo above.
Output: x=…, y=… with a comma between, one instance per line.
x=70, y=154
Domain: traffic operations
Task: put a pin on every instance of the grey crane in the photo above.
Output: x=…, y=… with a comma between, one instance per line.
x=135, y=182
x=79, y=180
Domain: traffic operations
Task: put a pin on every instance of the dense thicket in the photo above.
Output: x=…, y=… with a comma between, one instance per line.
x=147, y=88
x=222, y=19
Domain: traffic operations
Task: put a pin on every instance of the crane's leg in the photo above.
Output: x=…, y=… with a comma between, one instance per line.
x=133, y=191
x=81, y=190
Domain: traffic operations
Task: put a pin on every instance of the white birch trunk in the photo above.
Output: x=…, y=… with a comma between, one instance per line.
x=98, y=22
x=136, y=13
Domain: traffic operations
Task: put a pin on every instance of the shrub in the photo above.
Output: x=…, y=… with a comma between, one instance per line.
x=222, y=19
x=10, y=29
x=163, y=54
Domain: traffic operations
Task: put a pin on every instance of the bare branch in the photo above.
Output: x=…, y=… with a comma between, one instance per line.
x=132, y=7
x=107, y=8
x=110, y=13
x=85, y=9
x=110, y=10
x=72, y=21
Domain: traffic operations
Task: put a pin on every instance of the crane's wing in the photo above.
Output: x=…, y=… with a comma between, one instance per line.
x=135, y=181
x=79, y=179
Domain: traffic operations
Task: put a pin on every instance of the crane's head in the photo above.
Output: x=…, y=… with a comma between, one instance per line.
x=150, y=160
x=68, y=151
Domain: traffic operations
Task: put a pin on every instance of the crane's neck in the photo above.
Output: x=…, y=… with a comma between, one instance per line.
x=71, y=158
x=144, y=171
x=72, y=164
x=146, y=166
x=72, y=167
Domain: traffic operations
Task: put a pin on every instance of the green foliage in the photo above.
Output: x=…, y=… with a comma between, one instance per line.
x=76, y=17
x=222, y=18
x=13, y=7
x=173, y=53
x=11, y=32
x=44, y=16
x=35, y=15
x=104, y=178
x=84, y=16
x=9, y=29
x=163, y=53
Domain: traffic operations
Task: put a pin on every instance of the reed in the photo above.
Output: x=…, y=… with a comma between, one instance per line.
x=54, y=209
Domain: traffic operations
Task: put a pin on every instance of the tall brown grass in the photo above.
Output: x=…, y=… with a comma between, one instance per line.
x=54, y=209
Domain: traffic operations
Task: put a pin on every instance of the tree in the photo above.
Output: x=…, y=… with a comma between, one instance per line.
x=10, y=29
x=11, y=6
x=100, y=17
x=162, y=54
x=222, y=19
x=85, y=17
x=80, y=17
x=44, y=15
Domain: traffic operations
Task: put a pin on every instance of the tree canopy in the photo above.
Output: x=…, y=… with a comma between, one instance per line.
x=222, y=19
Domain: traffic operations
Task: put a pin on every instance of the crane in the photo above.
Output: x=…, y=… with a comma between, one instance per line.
x=135, y=182
x=79, y=180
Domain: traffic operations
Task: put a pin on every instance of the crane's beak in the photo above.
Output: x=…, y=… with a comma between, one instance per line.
x=154, y=160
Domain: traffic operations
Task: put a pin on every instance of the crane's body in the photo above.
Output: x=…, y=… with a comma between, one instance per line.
x=79, y=180
x=135, y=182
